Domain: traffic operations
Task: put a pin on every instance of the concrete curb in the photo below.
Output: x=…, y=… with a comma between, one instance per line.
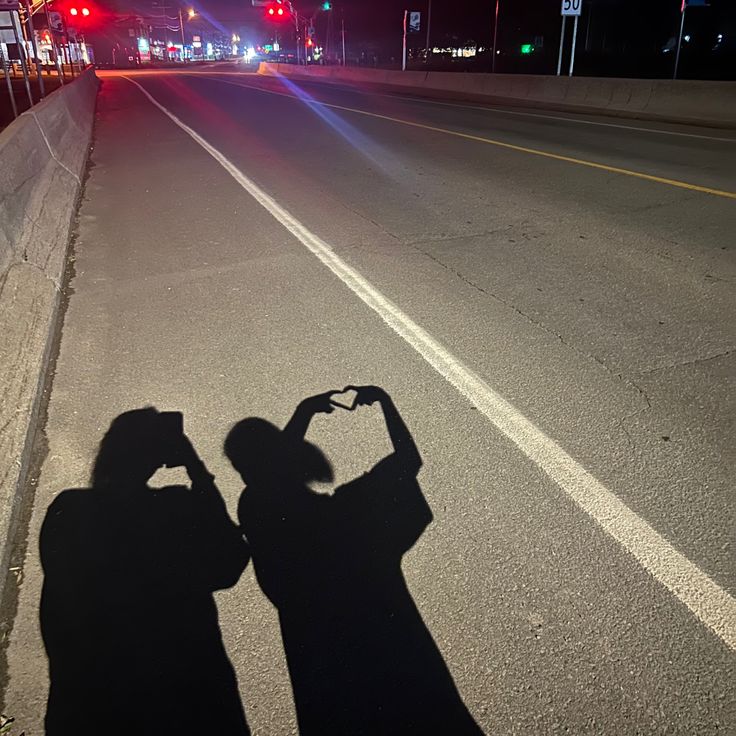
x=708, y=104
x=42, y=159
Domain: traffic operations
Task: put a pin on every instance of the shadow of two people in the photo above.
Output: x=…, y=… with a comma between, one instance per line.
x=127, y=612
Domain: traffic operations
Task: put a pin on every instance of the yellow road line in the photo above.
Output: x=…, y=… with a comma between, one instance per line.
x=499, y=144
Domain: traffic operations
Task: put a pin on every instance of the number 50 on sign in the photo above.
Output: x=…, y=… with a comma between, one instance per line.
x=572, y=7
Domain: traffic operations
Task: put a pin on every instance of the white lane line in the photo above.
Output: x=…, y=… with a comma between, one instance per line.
x=502, y=111
x=703, y=596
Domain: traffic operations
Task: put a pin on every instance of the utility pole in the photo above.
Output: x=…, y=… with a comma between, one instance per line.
x=343, y=37
x=679, y=38
x=429, y=22
x=181, y=26
x=495, y=39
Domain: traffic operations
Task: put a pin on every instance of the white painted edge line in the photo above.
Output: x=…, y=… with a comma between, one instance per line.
x=482, y=108
x=704, y=597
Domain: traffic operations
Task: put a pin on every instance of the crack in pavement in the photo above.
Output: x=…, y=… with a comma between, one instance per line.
x=685, y=363
x=540, y=325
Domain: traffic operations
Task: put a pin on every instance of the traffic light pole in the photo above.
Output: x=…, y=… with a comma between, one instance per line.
x=298, y=39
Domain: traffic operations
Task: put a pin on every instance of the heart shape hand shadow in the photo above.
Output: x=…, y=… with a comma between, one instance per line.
x=346, y=399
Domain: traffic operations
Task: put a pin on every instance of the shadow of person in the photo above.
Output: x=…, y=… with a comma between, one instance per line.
x=360, y=657
x=127, y=612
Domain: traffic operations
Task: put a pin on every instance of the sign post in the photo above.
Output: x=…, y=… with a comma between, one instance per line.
x=573, y=8
x=54, y=48
x=562, y=45
x=403, y=47
x=22, y=52
x=412, y=24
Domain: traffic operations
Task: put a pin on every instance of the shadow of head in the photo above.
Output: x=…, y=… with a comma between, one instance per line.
x=264, y=455
x=135, y=446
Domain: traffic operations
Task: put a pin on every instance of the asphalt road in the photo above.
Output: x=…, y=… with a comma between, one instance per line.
x=549, y=299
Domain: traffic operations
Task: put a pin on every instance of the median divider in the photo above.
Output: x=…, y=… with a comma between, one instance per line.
x=706, y=103
x=42, y=160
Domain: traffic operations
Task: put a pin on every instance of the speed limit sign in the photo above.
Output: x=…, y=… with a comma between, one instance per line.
x=572, y=7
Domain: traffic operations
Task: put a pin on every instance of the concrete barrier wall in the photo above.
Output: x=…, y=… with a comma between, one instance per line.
x=682, y=101
x=42, y=159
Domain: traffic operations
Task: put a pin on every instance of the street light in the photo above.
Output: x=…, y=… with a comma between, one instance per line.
x=191, y=13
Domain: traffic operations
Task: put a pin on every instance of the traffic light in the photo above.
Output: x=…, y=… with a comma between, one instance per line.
x=277, y=12
x=326, y=5
x=527, y=48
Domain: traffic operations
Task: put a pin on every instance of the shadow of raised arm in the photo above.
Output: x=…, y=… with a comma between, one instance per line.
x=406, y=451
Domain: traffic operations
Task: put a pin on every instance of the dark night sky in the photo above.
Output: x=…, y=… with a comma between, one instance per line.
x=628, y=34
x=380, y=20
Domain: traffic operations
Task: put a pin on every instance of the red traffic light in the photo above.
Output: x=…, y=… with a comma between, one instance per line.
x=86, y=12
x=276, y=12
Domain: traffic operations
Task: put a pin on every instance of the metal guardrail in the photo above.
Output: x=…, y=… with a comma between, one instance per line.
x=32, y=68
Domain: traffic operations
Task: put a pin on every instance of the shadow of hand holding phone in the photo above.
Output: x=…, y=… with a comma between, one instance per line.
x=127, y=612
x=360, y=658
